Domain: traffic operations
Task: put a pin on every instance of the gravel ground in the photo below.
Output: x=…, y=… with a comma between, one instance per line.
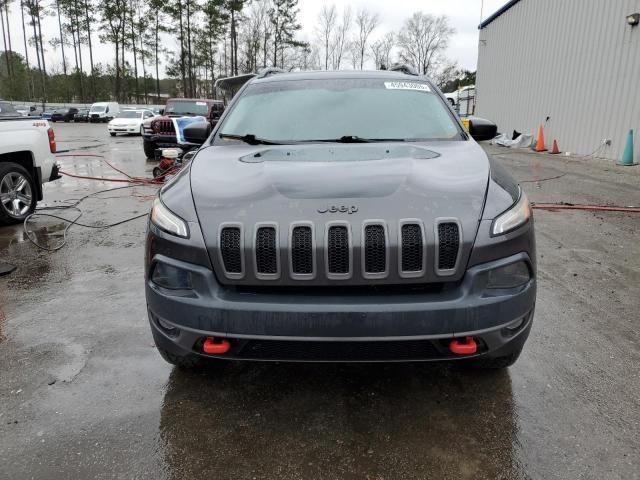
x=84, y=394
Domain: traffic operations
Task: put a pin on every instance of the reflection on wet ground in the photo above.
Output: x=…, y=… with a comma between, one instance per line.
x=45, y=234
x=323, y=421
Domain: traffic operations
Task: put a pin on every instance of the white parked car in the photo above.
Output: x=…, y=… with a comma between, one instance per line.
x=129, y=121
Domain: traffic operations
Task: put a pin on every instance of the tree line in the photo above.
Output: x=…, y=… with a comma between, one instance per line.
x=194, y=42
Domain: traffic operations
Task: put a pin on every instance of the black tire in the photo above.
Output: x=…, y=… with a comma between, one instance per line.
x=185, y=362
x=8, y=217
x=112, y=134
x=149, y=149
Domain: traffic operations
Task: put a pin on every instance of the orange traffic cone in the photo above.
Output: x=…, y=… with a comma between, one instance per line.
x=555, y=150
x=540, y=143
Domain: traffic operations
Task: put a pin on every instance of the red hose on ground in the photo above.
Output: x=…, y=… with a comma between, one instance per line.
x=589, y=208
x=148, y=180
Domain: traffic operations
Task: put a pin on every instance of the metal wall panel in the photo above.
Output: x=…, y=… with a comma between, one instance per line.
x=575, y=61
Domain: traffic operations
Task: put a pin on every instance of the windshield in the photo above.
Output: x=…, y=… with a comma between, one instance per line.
x=98, y=109
x=7, y=110
x=130, y=114
x=325, y=109
x=183, y=107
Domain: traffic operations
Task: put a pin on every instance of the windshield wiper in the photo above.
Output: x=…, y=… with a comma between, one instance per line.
x=251, y=139
x=354, y=139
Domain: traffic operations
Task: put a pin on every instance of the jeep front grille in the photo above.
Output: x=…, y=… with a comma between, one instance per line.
x=163, y=126
x=338, y=250
x=368, y=251
x=230, y=249
x=302, y=250
x=448, y=245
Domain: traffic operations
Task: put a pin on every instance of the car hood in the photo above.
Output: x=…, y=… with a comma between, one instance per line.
x=353, y=183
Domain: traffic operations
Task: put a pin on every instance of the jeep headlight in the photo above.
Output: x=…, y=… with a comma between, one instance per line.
x=516, y=216
x=166, y=220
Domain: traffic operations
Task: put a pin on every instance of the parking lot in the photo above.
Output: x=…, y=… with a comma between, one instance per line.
x=84, y=394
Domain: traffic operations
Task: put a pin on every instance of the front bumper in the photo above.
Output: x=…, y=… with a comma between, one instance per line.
x=125, y=129
x=288, y=318
x=161, y=141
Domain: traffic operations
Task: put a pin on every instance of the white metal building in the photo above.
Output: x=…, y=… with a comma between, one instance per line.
x=574, y=61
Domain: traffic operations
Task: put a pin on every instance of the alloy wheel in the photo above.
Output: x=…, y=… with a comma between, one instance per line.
x=15, y=194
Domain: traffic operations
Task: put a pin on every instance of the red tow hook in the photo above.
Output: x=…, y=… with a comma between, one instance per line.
x=214, y=346
x=469, y=346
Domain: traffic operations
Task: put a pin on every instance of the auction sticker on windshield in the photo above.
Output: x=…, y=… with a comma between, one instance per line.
x=407, y=86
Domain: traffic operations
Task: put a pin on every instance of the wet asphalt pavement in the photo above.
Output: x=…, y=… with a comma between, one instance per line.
x=84, y=394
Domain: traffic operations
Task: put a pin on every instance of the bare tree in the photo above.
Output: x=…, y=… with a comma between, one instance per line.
x=422, y=40
x=366, y=22
x=377, y=52
x=325, y=29
x=388, y=43
x=340, y=42
x=354, y=53
x=445, y=71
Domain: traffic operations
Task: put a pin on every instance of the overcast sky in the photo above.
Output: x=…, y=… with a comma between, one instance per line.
x=464, y=16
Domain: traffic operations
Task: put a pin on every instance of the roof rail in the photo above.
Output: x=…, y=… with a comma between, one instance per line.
x=404, y=68
x=265, y=72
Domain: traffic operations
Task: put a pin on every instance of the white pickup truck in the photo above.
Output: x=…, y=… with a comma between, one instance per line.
x=27, y=160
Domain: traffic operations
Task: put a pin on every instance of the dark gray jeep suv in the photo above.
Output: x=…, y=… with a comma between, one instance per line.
x=341, y=216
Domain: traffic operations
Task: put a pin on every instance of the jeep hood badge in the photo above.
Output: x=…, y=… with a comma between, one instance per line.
x=339, y=209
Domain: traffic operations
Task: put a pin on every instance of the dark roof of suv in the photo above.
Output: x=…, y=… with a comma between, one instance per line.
x=322, y=74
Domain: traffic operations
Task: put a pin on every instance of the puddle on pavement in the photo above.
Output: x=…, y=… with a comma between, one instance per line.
x=47, y=235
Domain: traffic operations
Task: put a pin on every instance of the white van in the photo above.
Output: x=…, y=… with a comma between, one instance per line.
x=103, y=111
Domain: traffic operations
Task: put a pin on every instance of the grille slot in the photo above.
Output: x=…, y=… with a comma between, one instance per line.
x=412, y=248
x=302, y=250
x=338, y=254
x=375, y=249
x=266, y=254
x=230, y=249
x=448, y=245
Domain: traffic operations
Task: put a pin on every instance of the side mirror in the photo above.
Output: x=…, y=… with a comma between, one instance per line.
x=196, y=133
x=481, y=129
x=162, y=111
